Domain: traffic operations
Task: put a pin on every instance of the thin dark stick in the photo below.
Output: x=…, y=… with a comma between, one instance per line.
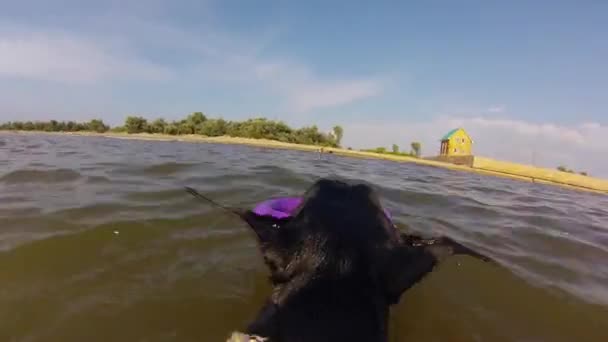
x=198, y=195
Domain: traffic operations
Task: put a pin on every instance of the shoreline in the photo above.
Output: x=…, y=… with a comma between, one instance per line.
x=482, y=165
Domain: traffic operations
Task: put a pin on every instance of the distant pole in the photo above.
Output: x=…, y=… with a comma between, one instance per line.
x=534, y=150
x=534, y=154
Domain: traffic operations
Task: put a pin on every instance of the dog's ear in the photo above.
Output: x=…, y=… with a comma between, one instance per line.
x=266, y=228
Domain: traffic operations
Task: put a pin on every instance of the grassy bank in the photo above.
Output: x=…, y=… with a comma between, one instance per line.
x=481, y=165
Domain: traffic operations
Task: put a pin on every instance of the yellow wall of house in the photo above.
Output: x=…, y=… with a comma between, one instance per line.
x=459, y=144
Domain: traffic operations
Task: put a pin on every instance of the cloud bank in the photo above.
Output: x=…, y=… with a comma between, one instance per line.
x=125, y=51
x=65, y=57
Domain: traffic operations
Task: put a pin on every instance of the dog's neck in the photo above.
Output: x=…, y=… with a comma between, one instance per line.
x=325, y=310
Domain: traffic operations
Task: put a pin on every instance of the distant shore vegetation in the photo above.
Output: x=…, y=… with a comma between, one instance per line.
x=565, y=169
x=198, y=123
x=195, y=123
x=416, y=150
x=56, y=126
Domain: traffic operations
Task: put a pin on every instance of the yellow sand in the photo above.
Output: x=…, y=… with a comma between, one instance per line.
x=481, y=165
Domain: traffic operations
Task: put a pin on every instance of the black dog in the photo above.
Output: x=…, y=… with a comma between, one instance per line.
x=337, y=265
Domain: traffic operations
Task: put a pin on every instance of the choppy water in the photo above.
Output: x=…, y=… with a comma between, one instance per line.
x=98, y=242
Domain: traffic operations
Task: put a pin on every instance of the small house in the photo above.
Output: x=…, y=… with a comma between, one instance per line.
x=456, y=143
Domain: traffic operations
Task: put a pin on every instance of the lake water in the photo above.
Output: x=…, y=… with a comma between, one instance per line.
x=99, y=242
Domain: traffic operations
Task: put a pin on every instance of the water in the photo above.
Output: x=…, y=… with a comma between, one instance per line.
x=99, y=242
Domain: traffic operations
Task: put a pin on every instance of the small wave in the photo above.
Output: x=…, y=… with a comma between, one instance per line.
x=40, y=176
x=68, y=153
x=268, y=169
x=156, y=196
x=9, y=199
x=215, y=181
x=164, y=169
x=9, y=242
x=98, y=180
x=167, y=168
x=9, y=211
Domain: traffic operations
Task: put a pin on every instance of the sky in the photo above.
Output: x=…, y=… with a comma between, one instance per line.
x=527, y=79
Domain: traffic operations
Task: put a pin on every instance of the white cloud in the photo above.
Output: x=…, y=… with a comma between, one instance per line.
x=317, y=94
x=497, y=109
x=67, y=57
x=86, y=57
x=578, y=146
x=298, y=86
x=118, y=42
x=305, y=91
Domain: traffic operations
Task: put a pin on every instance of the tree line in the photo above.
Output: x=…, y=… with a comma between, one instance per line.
x=415, y=151
x=94, y=125
x=195, y=123
x=565, y=169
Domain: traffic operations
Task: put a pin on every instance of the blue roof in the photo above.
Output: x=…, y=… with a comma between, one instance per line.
x=449, y=134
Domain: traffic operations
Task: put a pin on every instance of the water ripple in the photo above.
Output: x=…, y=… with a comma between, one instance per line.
x=40, y=176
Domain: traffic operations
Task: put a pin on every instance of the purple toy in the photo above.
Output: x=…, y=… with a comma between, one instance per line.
x=283, y=208
x=278, y=207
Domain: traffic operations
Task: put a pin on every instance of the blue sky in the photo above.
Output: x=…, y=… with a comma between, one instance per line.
x=522, y=77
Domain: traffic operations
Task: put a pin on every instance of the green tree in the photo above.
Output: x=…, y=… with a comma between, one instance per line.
x=214, y=128
x=40, y=126
x=172, y=128
x=380, y=149
x=70, y=126
x=61, y=126
x=565, y=169
x=82, y=126
x=197, y=118
x=158, y=126
x=185, y=127
x=98, y=126
x=52, y=126
x=233, y=129
x=311, y=136
x=136, y=124
x=339, y=134
x=193, y=123
x=416, y=149
x=395, y=148
x=118, y=129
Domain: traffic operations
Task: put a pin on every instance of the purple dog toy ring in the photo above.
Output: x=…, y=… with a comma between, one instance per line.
x=278, y=207
x=284, y=207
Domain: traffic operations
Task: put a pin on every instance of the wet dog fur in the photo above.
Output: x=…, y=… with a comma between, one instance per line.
x=337, y=265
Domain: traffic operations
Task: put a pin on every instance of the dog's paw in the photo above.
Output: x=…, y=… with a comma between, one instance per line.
x=240, y=337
